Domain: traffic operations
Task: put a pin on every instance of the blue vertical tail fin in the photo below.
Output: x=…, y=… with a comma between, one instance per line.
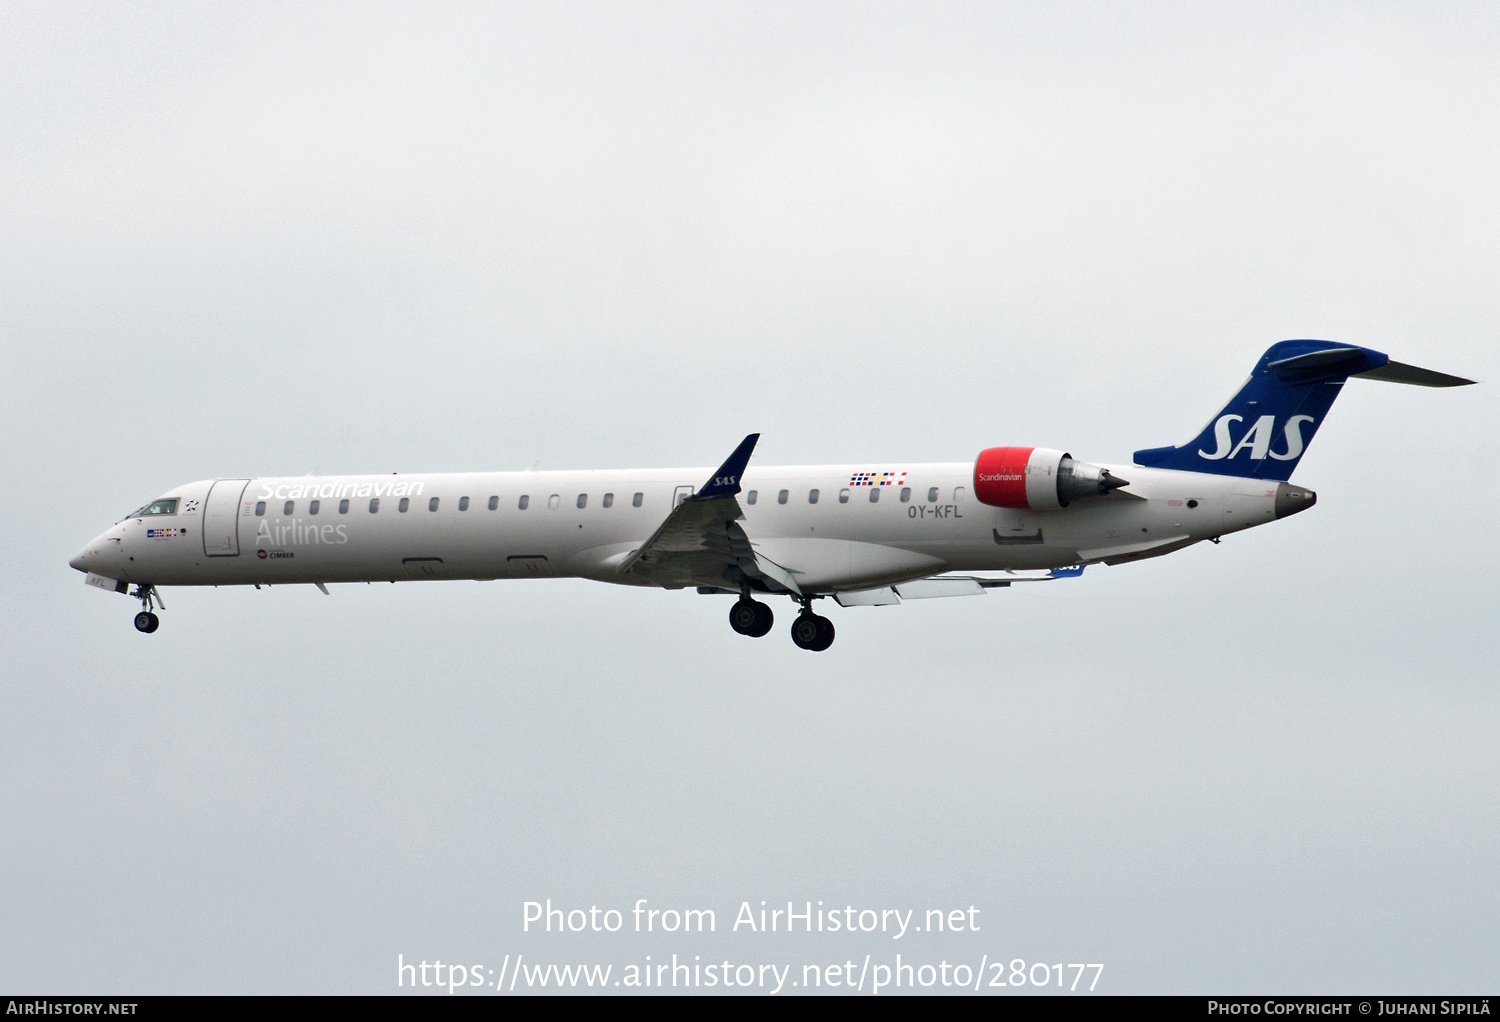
x=1265, y=428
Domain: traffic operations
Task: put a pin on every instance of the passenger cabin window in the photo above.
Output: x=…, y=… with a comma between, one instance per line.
x=553, y=502
x=404, y=505
x=609, y=500
x=523, y=503
x=374, y=505
x=636, y=500
x=260, y=508
x=932, y=495
x=495, y=502
x=343, y=507
x=463, y=503
x=312, y=508
x=812, y=496
x=905, y=494
x=159, y=507
x=432, y=505
x=958, y=494
x=844, y=495
x=874, y=495
x=583, y=500
x=781, y=497
x=286, y=508
x=750, y=497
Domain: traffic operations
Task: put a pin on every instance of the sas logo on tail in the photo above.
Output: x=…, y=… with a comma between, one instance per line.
x=1257, y=439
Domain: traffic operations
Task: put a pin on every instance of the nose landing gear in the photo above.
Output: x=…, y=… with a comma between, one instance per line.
x=146, y=621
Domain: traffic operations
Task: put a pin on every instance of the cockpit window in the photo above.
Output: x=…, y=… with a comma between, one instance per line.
x=158, y=507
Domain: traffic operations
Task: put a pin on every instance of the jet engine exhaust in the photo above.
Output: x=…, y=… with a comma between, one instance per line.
x=1078, y=479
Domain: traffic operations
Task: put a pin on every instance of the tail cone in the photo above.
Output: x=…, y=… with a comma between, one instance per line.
x=1291, y=499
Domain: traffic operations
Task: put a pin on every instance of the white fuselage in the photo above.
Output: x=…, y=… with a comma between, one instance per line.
x=474, y=525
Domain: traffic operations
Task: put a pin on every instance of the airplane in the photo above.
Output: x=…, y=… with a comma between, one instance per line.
x=867, y=534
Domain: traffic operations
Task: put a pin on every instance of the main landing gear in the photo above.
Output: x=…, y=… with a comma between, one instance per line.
x=810, y=631
x=750, y=617
x=146, y=621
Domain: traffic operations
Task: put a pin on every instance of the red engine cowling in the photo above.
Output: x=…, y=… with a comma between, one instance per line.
x=1037, y=478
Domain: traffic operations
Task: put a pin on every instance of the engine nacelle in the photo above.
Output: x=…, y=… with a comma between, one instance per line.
x=1038, y=478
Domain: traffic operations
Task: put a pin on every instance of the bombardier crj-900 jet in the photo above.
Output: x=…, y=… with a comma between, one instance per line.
x=868, y=534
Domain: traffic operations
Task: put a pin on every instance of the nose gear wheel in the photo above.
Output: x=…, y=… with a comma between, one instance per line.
x=146, y=621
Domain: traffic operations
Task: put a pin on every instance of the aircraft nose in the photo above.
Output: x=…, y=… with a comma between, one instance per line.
x=91, y=557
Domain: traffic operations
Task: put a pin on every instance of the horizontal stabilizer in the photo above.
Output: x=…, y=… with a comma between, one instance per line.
x=1400, y=372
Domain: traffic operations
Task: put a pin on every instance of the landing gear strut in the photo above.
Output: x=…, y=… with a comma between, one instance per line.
x=146, y=621
x=810, y=631
x=750, y=617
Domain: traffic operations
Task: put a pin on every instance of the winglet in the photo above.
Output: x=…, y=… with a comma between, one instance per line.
x=726, y=481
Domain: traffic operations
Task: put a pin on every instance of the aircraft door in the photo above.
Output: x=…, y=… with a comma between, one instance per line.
x=1017, y=528
x=221, y=518
x=681, y=494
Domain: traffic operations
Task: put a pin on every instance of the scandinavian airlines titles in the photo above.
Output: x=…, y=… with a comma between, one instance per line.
x=323, y=491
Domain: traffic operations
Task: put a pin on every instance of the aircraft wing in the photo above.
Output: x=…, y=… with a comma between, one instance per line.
x=701, y=542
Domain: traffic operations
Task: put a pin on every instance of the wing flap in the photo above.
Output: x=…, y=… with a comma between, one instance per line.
x=884, y=596
x=935, y=588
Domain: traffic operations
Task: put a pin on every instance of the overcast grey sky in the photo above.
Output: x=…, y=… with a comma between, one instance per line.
x=273, y=239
